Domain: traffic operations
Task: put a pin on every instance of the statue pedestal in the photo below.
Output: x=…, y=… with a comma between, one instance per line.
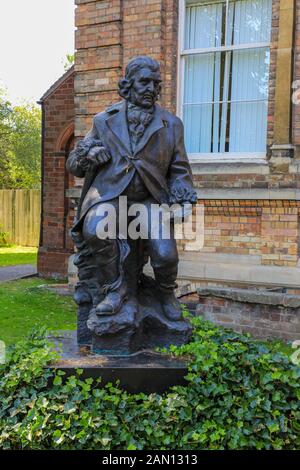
x=145, y=371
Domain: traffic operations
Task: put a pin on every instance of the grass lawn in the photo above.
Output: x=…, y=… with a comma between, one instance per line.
x=12, y=255
x=24, y=305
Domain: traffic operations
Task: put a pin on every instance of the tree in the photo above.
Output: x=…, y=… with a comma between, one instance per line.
x=5, y=139
x=25, y=159
x=20, y=145
x=69, y=61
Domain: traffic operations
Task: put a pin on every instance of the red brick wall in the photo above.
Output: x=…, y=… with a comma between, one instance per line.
x=110, y=33
x=267, y=228
x=279, y=177
x=98, y=66
x=261, y=320
x=55, y=248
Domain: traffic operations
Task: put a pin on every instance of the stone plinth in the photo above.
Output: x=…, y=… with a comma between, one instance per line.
x=146, y=371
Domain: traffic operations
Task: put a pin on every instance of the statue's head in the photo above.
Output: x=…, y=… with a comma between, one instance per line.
x=142, y=82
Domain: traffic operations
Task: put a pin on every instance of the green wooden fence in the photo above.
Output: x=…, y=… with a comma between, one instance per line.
x=20, y=215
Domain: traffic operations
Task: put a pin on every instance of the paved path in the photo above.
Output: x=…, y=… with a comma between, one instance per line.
x=9, y=273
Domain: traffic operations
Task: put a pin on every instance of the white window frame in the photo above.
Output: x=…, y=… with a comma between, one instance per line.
x=248, y=157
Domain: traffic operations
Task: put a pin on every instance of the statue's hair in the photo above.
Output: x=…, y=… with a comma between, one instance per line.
x=132, y=67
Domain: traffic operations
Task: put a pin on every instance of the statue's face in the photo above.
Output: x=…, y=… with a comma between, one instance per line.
x=145, y=88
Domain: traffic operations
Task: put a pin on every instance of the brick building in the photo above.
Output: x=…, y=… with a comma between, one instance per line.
x=229, y=68
x=57, y=140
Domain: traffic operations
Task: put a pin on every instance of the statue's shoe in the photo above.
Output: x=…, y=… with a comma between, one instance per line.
x=111, y=304
x=171, y=307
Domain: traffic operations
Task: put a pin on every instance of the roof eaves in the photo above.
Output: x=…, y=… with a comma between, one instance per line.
x=57, y=84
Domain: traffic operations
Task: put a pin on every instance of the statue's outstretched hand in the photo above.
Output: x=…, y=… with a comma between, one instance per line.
x=97, y=156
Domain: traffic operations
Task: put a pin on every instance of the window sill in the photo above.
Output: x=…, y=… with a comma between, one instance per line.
x=228, y=156
x=239, y=164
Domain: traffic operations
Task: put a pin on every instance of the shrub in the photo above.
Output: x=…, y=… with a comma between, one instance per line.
x=241, y=394
x=4, y=236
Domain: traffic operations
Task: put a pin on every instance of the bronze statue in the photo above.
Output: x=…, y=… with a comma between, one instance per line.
x=134, y=149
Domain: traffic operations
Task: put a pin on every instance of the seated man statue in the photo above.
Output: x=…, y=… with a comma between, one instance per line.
x=135, y=149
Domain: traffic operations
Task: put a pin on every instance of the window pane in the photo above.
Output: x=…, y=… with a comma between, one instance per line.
x=243, y=129
x=225, y=101
x=203, y=25
x=249, y=98
x=198, y=127
x=249, y=21
x=248, y=126
x=199, y=78
x=202, y=88
x=225, y=96
x=250, y=74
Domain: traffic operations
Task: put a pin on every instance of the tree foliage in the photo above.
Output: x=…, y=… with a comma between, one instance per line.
x=5, y=139
x=20, y=145
x=69, y=61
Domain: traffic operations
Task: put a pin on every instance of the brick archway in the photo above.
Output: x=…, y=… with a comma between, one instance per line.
x=64, y=138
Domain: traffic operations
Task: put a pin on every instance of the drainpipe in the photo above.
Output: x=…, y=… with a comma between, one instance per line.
x=42, y=170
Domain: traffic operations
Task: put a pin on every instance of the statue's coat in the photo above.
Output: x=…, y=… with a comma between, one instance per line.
x=160, y=158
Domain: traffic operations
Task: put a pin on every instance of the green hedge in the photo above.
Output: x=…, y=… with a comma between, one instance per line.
x=241, y=394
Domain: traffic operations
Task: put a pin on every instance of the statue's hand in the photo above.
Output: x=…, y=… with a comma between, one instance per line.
x=182, y=194
x=97, y=156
